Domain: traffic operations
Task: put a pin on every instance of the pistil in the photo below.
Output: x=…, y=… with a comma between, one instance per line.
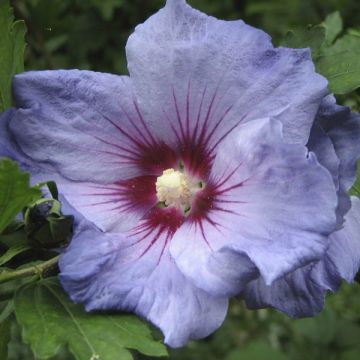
x=173, y=189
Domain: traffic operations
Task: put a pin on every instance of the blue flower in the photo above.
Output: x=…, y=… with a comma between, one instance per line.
x=219, y=167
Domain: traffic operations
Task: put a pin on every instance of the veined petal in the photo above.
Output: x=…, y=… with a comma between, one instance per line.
x=112, y=207
x=269, y=202
x=85, y=125
x=84, y=130
x=200, y=77
x=113, y=271
x=302, y=292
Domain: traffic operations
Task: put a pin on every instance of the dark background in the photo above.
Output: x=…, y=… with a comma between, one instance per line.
x=91, y=34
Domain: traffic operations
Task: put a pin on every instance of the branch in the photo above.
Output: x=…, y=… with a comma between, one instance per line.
x=29, y=271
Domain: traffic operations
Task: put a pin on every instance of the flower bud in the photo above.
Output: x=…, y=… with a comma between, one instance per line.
x=46, y=226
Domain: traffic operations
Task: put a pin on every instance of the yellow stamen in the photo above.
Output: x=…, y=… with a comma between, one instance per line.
x=173, y=189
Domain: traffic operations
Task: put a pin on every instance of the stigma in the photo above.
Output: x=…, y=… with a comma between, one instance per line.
x=173, y=188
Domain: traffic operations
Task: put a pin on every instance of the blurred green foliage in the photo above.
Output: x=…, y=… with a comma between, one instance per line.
x=270, y=335
x=91, y=34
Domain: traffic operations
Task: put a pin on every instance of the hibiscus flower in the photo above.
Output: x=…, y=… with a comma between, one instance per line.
x=219, y=167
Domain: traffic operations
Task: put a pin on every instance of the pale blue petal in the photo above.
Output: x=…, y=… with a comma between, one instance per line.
x=342, y=260
x=113, y=272
x=274, y=209
x=84, y=130
x=302, y=292
x=83, y=125
x=334, y=139
x=294, y=294
x=201, y=72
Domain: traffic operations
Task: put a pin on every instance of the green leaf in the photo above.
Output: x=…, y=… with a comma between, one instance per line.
x=355, y=190
x=7, y=311
x=14, y=239
x=49, y=320
x=312, y=37
x=334, y=25
x=12, y=46
x=340, y=64
x=15, y=192
x=339, y=61
x=12, y=252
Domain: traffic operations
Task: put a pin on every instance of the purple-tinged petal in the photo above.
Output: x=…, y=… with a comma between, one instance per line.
x=10, y=149
x=200, y=77
x=84, y=125
x=294, y=294
x=112, y=207
x=342, y=260
x=343, y=128
x=136, y=273
x=302, y=292
x=6, y=147
x=334, y=139
x=84, y=130
x=269, y=202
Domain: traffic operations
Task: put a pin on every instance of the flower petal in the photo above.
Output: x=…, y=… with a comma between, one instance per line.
x=334, y=140
x=112, y=207
x=83, y=124
x=302, y=292
x=294, y=294
x=200, y=77
x=271, y=201
x=10, y=149
x=343, y=128
x=6, y=147
x=342, y=260
x=108, y=271
x=84, y=130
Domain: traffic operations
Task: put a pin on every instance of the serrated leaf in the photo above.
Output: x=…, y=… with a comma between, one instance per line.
x=12, y=252
x=334, y=26
x=12, y=46
x=15, y=192
x=339, y=61
x=313, y=37
x=50, y=320
x=340, y=64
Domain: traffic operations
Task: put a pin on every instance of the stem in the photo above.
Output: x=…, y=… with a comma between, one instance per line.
x=29, y=271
